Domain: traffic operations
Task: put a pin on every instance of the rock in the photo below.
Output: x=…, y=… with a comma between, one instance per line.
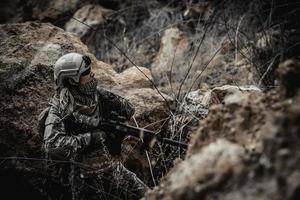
x=150, y=107
x=42, y=10
x=223, y=71
x=231, y=113
x=202, y=172
x=230, y=94
x=198, y=11
x=275, y=175
x=289, y=77
x=196, y=103
x=232, y=170
x=172, y=48
x=135, y=78
x=150, y=104
x=90, y=15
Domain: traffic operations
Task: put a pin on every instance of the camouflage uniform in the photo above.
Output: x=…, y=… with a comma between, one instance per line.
x=68, y=136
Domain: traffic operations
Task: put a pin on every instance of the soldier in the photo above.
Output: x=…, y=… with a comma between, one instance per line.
x=78, y=105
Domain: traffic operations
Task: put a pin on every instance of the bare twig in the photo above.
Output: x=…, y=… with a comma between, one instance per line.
x=208, y=23
x=171, y=70
x=148, y=159
x=205, y=66
x=236, y=38
x=150, y=167
x=192, y=62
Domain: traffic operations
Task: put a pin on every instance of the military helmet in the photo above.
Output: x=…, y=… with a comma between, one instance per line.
x=71, y=65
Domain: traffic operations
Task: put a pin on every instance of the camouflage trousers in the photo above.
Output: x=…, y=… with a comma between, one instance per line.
x=117, y=182
x=113, y=182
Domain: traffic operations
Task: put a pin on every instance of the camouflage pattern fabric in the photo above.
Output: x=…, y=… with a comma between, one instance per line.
x=68, y=137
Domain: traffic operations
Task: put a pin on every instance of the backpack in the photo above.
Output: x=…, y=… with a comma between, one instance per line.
x=44, y=114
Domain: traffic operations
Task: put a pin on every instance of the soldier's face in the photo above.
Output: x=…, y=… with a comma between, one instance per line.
x=87, y=78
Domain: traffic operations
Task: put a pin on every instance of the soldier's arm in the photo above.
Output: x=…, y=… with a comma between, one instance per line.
x=57, y=142
x=116, y=104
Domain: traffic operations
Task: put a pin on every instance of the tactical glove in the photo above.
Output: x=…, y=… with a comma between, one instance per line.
x=97, y=138
x=113, y=141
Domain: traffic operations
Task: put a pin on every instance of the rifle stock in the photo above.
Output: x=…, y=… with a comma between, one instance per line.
x=147, y=136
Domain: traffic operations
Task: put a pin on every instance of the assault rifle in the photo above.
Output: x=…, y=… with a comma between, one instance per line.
x=148, y=137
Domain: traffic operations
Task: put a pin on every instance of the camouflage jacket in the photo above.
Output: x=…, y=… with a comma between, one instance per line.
x=68, y=128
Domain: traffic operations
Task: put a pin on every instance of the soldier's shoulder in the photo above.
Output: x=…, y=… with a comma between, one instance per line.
x=64, y=100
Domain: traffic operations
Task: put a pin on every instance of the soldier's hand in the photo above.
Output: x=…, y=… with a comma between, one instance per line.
x=114, y=142
x=97, y=138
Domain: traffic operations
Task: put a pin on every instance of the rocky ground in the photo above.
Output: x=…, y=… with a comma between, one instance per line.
x=228, y=80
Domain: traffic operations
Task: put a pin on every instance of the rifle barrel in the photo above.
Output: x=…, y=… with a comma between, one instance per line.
x=173, y=142
x=144, y=134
